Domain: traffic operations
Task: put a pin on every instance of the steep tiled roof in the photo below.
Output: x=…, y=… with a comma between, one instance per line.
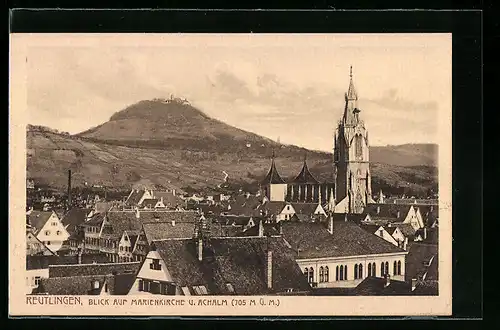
x=353, y=217
x=118, y=222
x=406, y=229
x=274, y=207
x=150, y=203
x=95, y=220
x=211, y=209
x=43, y=262
x=243, y=205
x=74, y=218
x=101, y=207
x=169, y=199
x=375, y=286
x=238, y=261
x=348, y=239
x=371, y=228
x=273, y=176
x=269, y=229
x=305, y=176
x=231, y=220
x=165, y=230
x=75, y=285
x=305, y=208
x=93, y=269
x=418, y=254
x=37, y=219
x=388, y=211
x=135, y=197
x=430, y=213
x=426, y=289
x=168, y=216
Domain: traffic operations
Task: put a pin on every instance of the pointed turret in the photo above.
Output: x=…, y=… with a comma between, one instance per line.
x=351, y=99
x=273, y=176
x=305, y=176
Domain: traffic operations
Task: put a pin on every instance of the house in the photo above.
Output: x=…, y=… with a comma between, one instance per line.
x=152, y=203
x=159, y=231
x=399, y=213
x=402, y=232
x=286, y=211
x=220, y=266
x=339, y=253
x=382, y=233
x=126, y=245
x=137, y=196
x=71, y=270
x=382, y=286
x=34, y=246
x=246, y=205
x=37, y=266
x=420, y=257
x=72, y=221
x=48, y=228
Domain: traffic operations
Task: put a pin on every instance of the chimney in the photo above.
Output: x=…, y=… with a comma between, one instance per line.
x=200, y=249
x=261, y=229
x=69, y=190
x=269, y=269
x=405, y=244
x=247, y=195
x=137, y=213
x=425, y=232
x=387, y=280
x=330, y=224
x=413, y=284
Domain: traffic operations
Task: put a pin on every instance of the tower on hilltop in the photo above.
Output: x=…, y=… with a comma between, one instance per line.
x=351, y=157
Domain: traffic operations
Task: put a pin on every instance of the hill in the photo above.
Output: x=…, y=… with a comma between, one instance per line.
x=176, y=145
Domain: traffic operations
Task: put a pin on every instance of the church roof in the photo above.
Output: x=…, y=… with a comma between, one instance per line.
x=273, y=177
x=305, y=176
x=350, y=97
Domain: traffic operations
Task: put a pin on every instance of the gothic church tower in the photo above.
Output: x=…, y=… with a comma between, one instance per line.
x=351, y=158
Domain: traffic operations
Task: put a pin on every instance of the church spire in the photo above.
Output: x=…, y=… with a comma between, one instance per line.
x=351, y=99
x=351, y=92
x=273, y=176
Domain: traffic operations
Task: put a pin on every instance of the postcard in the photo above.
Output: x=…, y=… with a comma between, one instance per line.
x=230, y=175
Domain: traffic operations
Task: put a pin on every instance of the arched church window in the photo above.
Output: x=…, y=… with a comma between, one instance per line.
x=386, y=268
x=369, y=270
x=321, y=274
x=337, y=273
x=306, y=273
x=326, y=277
x=374, y=270
x=341, y=273
x=395, y=268
x=399, y=267
x=360, y=271
x=311, y=275
x=355, y=272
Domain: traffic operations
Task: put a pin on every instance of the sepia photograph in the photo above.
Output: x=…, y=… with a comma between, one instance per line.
x=228, y=174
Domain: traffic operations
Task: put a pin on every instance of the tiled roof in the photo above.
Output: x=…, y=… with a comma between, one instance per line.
x=37, y=219
x=133, y=238
x=418, y=254
x=412, y=201
x=390, y=230
x=34, y=246
x=305, y=208
x=135, y=197
x=168, y=216
x=101, y=207
x=75, y=285
x=305, y=176
x=269, y=229
x=232, y=220
x=118, y=222
x=301, y=217
x=169, y=199
x=348, y=239
x=430, y=213
x=243, y=205
x=95, y=220
x=375, y=286
x=211, y=209
x=238, y=261
x=371, y=228
x=389, y=211
x=93, y=269
x=274, y=207
x=43, y=262
x=405, y=228
x=74, y=218
x=273, y=176
x=353, y=217
x=150, y=202
x=426, y=289
x=165, y=230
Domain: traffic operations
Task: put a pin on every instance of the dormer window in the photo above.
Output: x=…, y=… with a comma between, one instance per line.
x=95, y=284
x=58, y=232
x=47, y=232
x=54, y=223
x=155, y=264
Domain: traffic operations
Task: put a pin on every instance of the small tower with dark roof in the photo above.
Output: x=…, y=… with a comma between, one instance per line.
x=274, y=187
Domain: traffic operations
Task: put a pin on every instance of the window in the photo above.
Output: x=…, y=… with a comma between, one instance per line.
x=369, y=270
x=341, y=273
x=374, y=270
x=106, y=287
x=37, y=280
x=360, y=271
x=185, y=291
x=121, y=248
x=125, y=238
x=48, y=242
x=54, y=223
x=382, y=272
x=326, y=279
x=154, y=287
x=58, y=232
x=141, y=285
x=345, y=272
x=337, y=273
x=288, y=207
x=230, y=288
x=155, y=264
x=95, y=285
x=355, y=272
x=47, y=232
x=395, y=268
x=386, y=268
x=146, y=286
x=311, y=275
x=399, y=267
x=321, y=274
x=381, y=233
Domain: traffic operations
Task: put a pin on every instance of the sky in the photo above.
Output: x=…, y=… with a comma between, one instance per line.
x=287, y=87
